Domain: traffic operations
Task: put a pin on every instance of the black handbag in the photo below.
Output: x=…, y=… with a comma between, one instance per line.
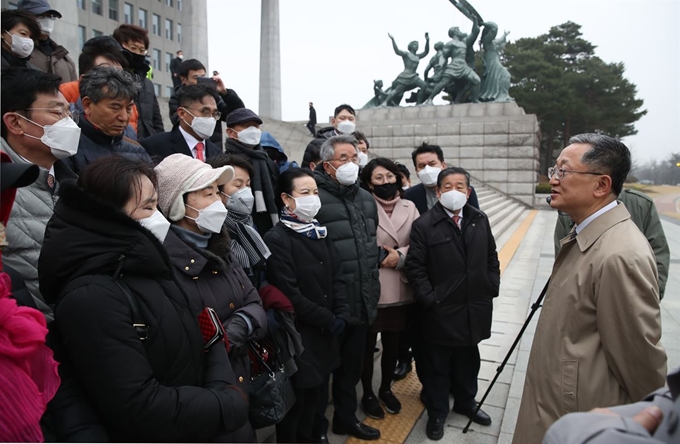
x=270, y=390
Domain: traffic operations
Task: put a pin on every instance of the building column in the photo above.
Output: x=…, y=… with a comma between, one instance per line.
x=270, y=61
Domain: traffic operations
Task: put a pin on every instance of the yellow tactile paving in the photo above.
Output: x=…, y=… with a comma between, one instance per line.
x=511, y=246
x=396, y=428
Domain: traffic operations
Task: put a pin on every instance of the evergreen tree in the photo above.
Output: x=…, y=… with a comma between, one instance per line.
x=558, y=77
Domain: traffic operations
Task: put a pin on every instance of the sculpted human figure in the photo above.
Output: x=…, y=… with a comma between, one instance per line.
x=458, y=68
x=496, y=78
x=408, y=79
x=437, y=63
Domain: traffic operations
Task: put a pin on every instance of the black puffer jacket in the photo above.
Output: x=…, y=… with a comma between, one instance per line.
x=95, y=144
x=351, y=216
x=307, y=271
x=162, y=389
x=150, y=121
x=213, y=278
x=321, y=136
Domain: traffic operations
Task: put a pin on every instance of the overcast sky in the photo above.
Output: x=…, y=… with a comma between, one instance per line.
x=332, y=50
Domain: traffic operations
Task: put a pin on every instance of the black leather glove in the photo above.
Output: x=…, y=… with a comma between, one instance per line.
x=237, y=332
x=338, y=326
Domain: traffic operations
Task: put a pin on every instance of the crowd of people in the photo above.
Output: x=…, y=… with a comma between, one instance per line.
x=168, y=267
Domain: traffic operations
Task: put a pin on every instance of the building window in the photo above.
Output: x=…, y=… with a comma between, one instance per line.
x=82, y=35
x=156, y=60
x=179, y=33
x=81, y=4
x=168, y=3
x=156, y=24
x=168, y=59
x=96, y=33
x=97, y=7
x=179, y=5
x=157, y=89
x=168, y=29
x=168, y=91
x=128, y=11
x=142, y=18
x=113, y=10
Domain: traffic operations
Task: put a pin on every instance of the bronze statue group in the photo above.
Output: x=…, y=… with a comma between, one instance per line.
x=452, y=66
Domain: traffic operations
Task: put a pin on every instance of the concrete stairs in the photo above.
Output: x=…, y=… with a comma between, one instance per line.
x=501, y=209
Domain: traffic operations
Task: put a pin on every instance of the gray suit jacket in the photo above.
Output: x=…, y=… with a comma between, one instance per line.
x=597, y=428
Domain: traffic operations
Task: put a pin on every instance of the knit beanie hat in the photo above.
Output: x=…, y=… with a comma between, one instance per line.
x=179, y=174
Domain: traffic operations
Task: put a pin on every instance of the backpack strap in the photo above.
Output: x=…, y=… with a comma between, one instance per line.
x=137, y=320
x=138, y=323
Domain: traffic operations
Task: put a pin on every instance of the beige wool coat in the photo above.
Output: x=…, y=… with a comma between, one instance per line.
x=395, y=230
x=597, y=342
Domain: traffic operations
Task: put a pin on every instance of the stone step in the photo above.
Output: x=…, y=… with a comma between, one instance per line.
x=498, y=205
x=503, y=224
x=504, y=212
x=488, y=202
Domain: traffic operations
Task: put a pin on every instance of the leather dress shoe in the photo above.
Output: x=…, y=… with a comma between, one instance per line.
x=435, y=428
x=358, y=430
x=323, y=439
x=469, y=410
x=403, y=369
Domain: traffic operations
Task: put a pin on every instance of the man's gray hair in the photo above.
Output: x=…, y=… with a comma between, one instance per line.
x=327, y=151
x=107, y=82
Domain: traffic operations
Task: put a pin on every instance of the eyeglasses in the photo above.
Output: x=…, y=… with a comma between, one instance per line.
x=345, y=160
x=137, y=50
x=59, y=111
x=552, y=172
x=205, y=113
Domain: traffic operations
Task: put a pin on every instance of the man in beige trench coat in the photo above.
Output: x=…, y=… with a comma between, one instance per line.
x=597, y=341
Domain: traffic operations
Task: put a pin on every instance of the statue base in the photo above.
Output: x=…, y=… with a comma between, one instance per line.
x=497, y=143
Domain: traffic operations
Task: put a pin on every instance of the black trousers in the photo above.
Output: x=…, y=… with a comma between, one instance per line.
x=447, y=368
x=312, y=128
x=406, y=340
x=298, y=424
x=345, y=380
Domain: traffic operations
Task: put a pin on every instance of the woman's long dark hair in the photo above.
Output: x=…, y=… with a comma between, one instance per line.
x=116, y=179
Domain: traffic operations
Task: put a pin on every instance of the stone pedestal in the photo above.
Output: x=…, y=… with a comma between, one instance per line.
x=497, y=143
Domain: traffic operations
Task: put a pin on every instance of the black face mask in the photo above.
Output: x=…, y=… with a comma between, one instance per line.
x=386, y=191
x=136, y=61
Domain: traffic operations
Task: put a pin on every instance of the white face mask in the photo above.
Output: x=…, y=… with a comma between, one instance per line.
x=202, y=126
x=241, y=201
x=180, y=56
x=428, y=175
x=306, y=207
x=47, y=24
x=363, y=159
x=347, y=174
x=157, y=224
x=211, y=218
x=62, y=137
x=346, y=127
x=250, y=136
x=22, y=47
x=453, y=200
